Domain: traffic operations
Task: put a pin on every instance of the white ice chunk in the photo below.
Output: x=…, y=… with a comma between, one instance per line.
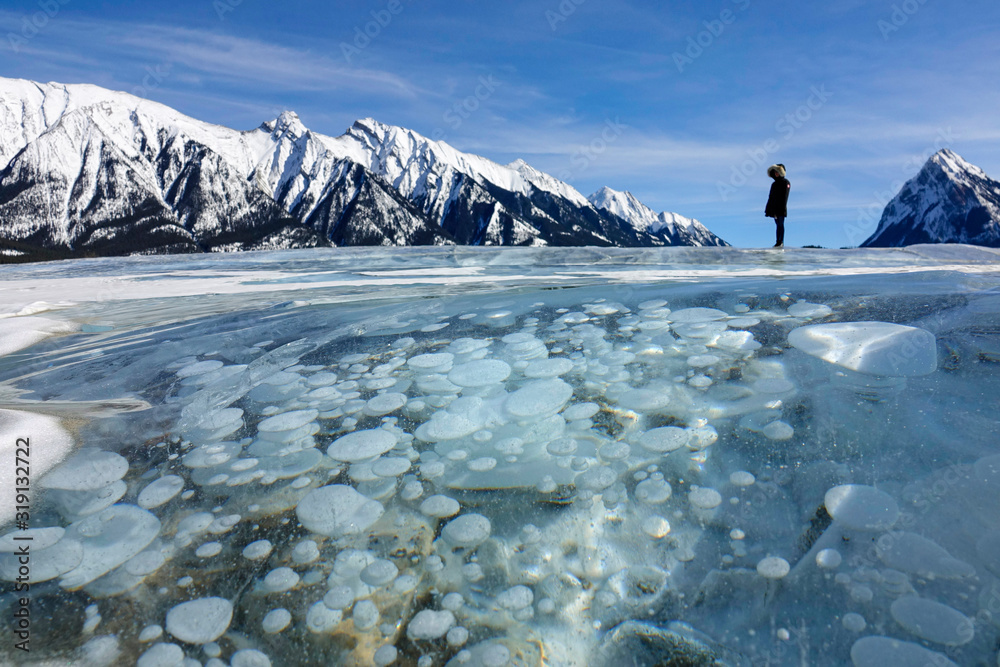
x=873, y=348
x=15, y=425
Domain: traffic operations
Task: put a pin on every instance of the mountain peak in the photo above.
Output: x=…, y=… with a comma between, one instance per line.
x=287, y=122
x=952, y=164
x=627, y=206
x=949, y=201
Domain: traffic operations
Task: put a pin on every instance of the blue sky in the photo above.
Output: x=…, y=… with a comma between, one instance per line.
x=682, y=103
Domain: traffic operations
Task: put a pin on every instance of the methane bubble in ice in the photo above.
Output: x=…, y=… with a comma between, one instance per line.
x=337, y=510
x=430, y=624
x=160, y=491
x=828, y=559
x=51, y=555
x=873, y=348
x=878, y=651
x=664, y=439
x=379, y=573
x=853, y=622
x=538, y=398
x=161, y=655
x=861, y=507
x=480, y=373
x=87, y=470
x=200, y=621
x=918, y=555
x=468, y=530
x=257, y=550
x=276, y=620
x=932, y=621
x=548, y=368
x=439, y=506
x=109, y=539
x=581, y=411
x=809, y=310
x=773, y=567
x=779, y=430
x=361, y=445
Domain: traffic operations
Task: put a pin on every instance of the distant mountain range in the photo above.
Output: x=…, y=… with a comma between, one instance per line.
x=949, y=201
x=87, y=171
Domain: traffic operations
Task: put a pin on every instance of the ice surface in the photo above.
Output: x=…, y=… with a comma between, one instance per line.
x=785, y=459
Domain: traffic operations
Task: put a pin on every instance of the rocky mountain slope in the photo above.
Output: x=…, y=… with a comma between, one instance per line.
x=89, y=171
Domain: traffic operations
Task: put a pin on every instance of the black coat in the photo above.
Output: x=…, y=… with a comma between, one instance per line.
x=777, y=201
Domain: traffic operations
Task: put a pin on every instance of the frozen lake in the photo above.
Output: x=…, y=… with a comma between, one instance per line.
x=467, y=456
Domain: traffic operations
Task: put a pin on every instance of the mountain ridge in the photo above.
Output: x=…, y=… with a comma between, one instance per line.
x=87, y=170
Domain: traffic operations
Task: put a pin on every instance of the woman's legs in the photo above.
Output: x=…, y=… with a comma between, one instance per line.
x=779, y=231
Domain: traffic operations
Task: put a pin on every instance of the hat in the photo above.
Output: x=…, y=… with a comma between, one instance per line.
x=778, y=169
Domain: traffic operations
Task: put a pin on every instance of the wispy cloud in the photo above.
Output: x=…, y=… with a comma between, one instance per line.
x=217, y=57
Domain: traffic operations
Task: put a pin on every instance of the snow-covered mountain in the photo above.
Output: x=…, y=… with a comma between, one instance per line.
x=85, y=170
x=675, y=229
x=949, y=201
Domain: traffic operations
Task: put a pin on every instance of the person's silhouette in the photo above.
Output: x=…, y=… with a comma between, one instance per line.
x=777, y=202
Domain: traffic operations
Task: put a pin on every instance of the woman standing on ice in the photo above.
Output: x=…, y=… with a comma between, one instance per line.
x=777, y=201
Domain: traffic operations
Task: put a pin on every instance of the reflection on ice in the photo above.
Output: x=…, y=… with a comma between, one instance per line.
x=621, y=470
